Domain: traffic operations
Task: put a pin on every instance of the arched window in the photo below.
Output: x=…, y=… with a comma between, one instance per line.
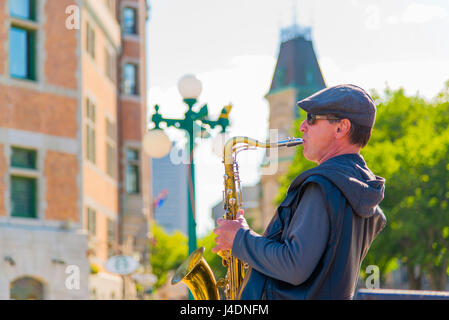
x=26, y=288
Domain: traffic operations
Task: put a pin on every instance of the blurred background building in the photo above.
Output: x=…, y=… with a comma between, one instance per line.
x=73, y=113
x=170, y=193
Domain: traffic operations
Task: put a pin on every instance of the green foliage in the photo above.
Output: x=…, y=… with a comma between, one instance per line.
x=170, y=250
x=167, y=253
x=410, y=149
x=94, y=269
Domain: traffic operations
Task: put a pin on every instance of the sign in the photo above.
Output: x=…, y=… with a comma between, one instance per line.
x=122, y=265
x=145, y=279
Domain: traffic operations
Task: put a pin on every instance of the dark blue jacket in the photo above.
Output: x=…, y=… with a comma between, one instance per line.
x=352, y=195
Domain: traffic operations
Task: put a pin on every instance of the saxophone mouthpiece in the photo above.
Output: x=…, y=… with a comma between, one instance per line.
x=290, y=142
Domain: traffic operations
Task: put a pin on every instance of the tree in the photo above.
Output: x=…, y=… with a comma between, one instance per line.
x=167, y=253
x=409, y=148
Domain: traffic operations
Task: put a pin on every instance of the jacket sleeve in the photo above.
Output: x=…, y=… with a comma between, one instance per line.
x=293, y=260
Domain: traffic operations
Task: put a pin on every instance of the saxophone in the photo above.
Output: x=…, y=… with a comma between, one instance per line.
x=195, y=271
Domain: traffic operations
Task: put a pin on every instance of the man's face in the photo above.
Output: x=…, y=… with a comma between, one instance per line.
x=319, y=138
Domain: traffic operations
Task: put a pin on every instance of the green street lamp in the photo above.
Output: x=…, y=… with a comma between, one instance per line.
x=195, y=123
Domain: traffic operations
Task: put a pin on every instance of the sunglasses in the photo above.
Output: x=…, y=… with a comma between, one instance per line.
x=311, y=118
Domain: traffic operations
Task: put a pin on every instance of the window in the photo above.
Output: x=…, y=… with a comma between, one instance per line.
x=22, y=53
x=90, y=131
x=110, y=65
x=309, y=76
x=132, y=154
x=132, y=171
x=23, y=9
x=90, y=40
x=130, y=79
x=23, y=158
x=26, y=288
x=23, y=197
x=23, y=189
x=129, y=21
x=110, y=4
x=91, y=221
x=22, y=39
x=110, y=154
x=111, y=161
x=111, y=237
x=132, y=179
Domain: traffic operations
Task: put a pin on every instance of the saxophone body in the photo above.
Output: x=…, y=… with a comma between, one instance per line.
x=194, y=271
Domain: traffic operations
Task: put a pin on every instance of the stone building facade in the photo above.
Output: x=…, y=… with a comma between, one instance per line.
x=67, y=125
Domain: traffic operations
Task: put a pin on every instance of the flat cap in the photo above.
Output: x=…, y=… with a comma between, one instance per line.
x=346, y=101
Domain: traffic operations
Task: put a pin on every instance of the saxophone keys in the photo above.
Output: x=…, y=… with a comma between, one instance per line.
x=222, y=283
x=225, y=263
x=224, y=254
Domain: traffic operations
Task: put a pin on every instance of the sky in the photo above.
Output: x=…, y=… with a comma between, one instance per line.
x=232, y=46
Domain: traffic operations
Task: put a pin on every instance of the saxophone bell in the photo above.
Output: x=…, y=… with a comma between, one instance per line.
x=198, y=276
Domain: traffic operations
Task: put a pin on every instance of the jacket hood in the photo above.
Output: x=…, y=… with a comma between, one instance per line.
x=349, y=172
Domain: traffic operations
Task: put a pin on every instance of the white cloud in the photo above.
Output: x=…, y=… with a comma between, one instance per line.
x=425, y=76
x=417, y=13
x=393, y=20
x=372, y=21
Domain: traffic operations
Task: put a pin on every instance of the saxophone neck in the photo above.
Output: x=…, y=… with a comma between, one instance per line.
x=249, y=142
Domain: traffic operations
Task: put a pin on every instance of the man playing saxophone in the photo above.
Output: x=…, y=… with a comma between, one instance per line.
x=314, y=245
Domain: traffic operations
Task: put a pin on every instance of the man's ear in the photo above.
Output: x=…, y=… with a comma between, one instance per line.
x=343, y=128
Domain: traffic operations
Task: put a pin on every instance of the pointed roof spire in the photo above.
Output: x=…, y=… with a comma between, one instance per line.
x=294, y=15
x=295, y=30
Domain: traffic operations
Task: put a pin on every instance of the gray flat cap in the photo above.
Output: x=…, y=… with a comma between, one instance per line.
x=346, y=101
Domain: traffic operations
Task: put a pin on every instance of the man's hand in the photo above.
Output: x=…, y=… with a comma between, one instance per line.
x=226, y=231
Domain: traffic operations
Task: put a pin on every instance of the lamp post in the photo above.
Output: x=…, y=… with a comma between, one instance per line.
x=157, y=144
